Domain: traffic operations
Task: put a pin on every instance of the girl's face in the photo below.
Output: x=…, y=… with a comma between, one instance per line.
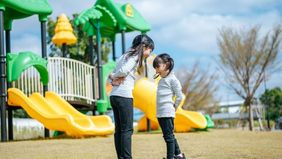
x=147, y=52
x=162, y=70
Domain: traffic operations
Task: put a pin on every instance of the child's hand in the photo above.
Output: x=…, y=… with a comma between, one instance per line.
x=175, y=108
x=117, y=81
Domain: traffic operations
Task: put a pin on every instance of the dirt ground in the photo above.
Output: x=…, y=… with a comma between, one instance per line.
x=215, y=144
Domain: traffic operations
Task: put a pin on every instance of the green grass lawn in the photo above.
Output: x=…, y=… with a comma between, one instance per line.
x=215, y=144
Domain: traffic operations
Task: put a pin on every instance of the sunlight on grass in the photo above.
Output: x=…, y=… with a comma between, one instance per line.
x=213, y=144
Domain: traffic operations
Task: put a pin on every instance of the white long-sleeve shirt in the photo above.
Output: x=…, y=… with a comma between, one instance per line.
x=168, y=87
x=126, y=67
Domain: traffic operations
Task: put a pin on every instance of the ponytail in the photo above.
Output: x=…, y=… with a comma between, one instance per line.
x=171, y=64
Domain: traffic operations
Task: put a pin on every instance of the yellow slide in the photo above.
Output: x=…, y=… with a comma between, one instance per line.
x=144, y=94
x=185, y=120
x=144, y=98
x=57, y=114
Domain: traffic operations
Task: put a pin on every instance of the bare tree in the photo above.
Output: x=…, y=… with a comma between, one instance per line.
x=199, y=88
x=244, y=58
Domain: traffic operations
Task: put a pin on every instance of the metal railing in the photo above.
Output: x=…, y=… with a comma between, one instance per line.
x=71, y=79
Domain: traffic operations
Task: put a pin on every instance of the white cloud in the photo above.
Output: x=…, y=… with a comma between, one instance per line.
x=193, y=25
x=27, y=42
x=28, y=25
x=169, y=11
x=69, y=7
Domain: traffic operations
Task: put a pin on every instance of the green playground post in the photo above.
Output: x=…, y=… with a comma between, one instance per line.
x=101, y=108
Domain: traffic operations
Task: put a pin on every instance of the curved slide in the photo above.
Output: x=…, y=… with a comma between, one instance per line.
x=145, y=99
x=57, y=114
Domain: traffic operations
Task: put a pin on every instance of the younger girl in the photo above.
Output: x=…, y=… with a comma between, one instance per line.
x=123, y=78
x=168, y=87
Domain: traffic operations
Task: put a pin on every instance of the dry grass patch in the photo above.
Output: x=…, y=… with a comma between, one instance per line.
x=215, y=144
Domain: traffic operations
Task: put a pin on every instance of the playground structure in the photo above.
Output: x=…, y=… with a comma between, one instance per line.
x=66, y=76
x=46, y=96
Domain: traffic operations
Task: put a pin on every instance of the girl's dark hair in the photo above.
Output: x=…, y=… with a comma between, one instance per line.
x=138, y=44
x=163, y=58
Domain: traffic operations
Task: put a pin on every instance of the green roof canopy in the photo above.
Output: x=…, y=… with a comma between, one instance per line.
x=115, y=18
x=129, y=19
x=108, y=21
x=17, y=9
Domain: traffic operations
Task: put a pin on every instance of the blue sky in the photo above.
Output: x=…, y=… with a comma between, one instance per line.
x=185, y=29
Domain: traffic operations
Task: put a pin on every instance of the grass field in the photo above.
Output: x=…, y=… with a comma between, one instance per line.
x=215, y=144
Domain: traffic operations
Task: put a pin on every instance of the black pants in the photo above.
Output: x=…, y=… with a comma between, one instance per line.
x=167, y=125
x=123, y=116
